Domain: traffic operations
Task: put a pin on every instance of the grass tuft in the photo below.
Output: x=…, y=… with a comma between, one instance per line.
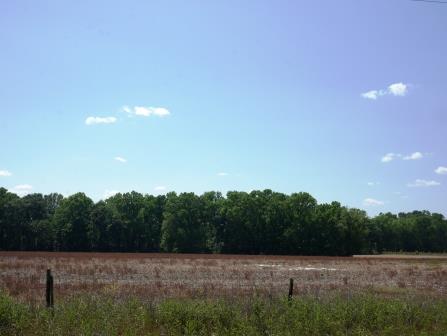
x=336, y=315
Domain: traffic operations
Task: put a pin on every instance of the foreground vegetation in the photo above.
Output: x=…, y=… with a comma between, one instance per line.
x=359, y=315
x=259, y=222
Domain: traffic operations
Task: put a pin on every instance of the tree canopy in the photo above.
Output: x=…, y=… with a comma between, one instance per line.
x=259, y=222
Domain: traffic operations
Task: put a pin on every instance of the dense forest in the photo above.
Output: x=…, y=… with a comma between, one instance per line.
x=259, y=222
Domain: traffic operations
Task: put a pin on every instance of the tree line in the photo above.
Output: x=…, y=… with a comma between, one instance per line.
x=259, y=222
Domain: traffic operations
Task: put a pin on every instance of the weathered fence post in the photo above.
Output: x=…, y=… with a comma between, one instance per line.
x=291, y=289
x=49, y=293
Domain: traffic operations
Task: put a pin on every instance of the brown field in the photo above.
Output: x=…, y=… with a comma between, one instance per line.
x=157, y=276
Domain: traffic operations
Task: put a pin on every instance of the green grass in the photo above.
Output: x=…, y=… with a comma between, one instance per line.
x=102, y=315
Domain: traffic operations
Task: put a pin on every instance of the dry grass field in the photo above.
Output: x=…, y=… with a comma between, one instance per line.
x=160, y=276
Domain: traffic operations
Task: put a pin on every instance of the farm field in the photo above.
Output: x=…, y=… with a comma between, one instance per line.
x=161, y=276
x=185, y=294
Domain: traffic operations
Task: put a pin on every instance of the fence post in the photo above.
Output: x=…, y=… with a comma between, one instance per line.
x=49, y=292
x=291, y=289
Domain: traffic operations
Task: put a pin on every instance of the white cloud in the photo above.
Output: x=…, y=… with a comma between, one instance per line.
x=372, y=184
x=373, y=94
x=389, y=157
x=22, y=189
x=222, y=174
x=414, y=156
x=160, y=188
x=127, y=109
x=372, y=202
x=110, y=193
x=120, y=159
x=147, y=111
x=441, y=170
x=5, y=173
x=423, y=183
x=392, y=156
x=100, y=120
x=398, y=89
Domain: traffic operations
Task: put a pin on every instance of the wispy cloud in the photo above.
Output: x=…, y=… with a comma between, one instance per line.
x=100, y=120
x=120, y=159
x=396, y=89
x=399, y=193
x=371, y=202
x=5, y=173
x=146, y=111
x=392, y=156
x=372, y=184
x=109, y=193
x=22, y=189
x=414, y=156
x=222, y=174
x=389, y=157
x=373, y=94
x=160, y=188
x=441, y=170
x=419, y=183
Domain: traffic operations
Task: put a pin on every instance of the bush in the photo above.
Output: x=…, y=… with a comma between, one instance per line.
x=14, y=316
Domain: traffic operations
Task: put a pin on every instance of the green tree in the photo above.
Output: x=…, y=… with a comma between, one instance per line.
x=237, y=230
x=300, y=231
x=183, y=228
x=37, y=227
x=212, y=220
x=11, y=219
x=71, y=221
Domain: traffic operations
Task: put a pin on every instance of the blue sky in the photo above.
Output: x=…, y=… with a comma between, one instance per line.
x=342, y=99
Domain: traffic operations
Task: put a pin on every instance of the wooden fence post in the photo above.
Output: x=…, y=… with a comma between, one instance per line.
x=291, y=289
x=49, y=292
